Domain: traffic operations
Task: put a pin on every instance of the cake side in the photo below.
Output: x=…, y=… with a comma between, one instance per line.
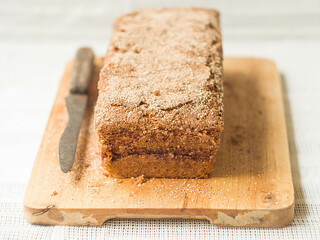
x=158, y=166
x=160, y=91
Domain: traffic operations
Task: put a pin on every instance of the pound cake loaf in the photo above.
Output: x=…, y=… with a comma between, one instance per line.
x=159, y=111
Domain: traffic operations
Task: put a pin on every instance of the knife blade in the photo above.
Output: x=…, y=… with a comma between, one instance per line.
x=76, y=103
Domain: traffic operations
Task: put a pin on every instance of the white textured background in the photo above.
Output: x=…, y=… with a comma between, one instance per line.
x=37, y=38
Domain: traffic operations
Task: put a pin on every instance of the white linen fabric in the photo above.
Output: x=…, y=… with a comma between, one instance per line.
x=38, y=37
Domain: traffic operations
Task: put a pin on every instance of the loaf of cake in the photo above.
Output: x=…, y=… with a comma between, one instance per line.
x=159, y=111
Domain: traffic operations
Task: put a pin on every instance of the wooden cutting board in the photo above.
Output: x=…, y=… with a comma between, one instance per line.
x=251, y=184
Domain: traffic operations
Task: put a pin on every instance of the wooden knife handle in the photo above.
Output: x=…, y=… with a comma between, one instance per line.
x=81, y=71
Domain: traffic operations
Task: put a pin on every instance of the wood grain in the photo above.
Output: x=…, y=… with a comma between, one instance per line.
x=251, y=184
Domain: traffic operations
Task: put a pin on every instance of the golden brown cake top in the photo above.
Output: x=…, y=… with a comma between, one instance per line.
x=160, y=58
x=163, y=59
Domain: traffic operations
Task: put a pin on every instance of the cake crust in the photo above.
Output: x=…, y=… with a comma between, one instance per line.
x=159, y=112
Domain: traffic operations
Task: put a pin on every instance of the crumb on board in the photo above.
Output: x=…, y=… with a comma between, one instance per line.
x=118, y=180
x=138, y=180
x=54, y=193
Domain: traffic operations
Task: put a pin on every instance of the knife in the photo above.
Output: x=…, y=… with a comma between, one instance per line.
x=76, y=103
